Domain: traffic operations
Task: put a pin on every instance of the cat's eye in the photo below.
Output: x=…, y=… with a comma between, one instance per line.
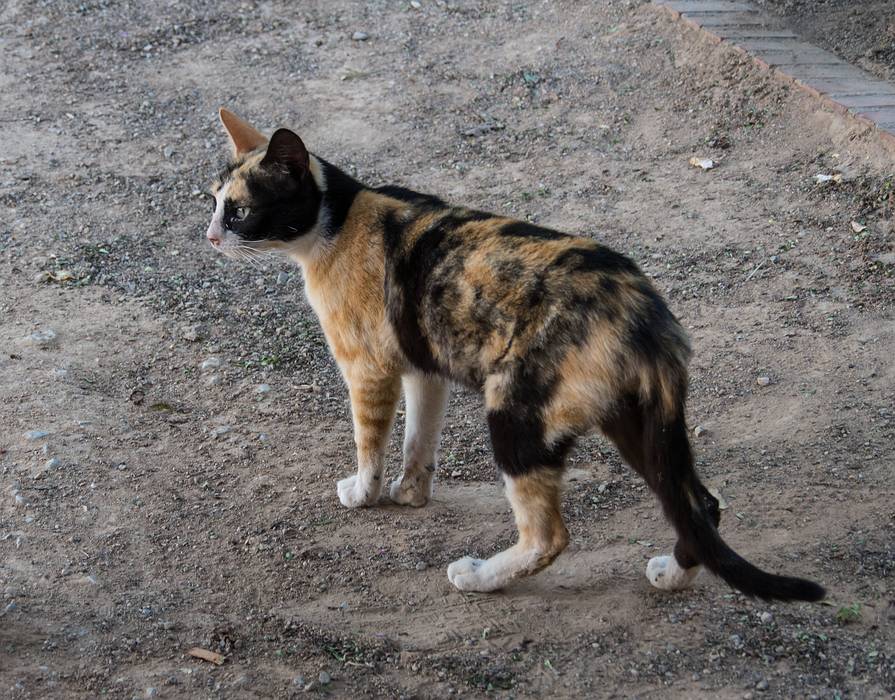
x=241, y=213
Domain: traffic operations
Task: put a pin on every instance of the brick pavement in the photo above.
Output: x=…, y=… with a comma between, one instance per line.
x=845, y=88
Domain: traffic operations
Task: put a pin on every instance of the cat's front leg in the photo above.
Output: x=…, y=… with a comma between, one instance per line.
x=425, y=400
x=373, y=402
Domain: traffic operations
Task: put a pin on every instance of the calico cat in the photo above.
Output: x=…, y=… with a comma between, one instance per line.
x=561, y=334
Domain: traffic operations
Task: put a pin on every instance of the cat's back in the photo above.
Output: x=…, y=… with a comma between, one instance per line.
x=467, y=290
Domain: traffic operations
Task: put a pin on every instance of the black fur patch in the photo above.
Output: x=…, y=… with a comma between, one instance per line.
x=404, y=285
x=517, y=438
x=599, y=259
x=341, y=190
x=521, y=229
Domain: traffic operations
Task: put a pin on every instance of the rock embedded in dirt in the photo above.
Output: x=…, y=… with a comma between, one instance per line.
x=763, y=381
x=36, y=434
x=324, y=678
x=210, y=363
x=43, y=337
x=360, y=36
x=194, y=333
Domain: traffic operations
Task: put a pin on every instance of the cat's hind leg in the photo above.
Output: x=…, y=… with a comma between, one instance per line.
x=627, y=428
x=531, y=456
x=373, y=403
x=425, y=403
x=535, y=498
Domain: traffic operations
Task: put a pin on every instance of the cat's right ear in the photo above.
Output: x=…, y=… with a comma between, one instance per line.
x=243, y=136
x=287, y=150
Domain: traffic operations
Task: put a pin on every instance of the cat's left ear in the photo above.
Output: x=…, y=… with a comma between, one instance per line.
x=243, y=136
x=286, y=149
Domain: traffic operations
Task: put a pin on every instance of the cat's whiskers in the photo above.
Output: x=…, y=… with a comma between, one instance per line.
x=242, y=255
x=251, y=253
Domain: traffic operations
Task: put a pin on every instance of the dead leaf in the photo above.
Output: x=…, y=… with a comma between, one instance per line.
x=704, y=163
x=58, y=276
x=856, y=227
x=206, y=655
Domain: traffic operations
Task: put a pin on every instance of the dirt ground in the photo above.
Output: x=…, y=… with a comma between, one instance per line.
x=184, y=492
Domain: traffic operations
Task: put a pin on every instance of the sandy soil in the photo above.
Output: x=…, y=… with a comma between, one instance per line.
x=184, y=492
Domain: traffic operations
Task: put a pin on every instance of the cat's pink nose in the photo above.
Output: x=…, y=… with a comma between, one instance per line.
x=214, y=236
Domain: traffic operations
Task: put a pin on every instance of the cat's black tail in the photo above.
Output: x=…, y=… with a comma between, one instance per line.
x=662, y=454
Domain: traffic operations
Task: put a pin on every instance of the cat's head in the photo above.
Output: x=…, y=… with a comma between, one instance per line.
x=268, y=197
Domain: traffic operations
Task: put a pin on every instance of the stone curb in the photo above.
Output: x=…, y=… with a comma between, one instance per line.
x=838, y=85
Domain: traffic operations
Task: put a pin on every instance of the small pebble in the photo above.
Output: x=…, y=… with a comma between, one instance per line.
x=299, y=680
x=168, y=152
x=36, y=434
x=766, y=618
x=421, y=566
x=43, y=337
x=20, y=500
x=220, y=430
x=263, y=388
x=456, y=473
x=194, y=333
x=52, y=463
x=762, y=685
x=151, y=692
x=210, y=363
x=360, y=36
x=699, y=431
x=10, y=607
x=324, y=678
x=58, y=373
x=416, y=4
x=282, y=278
x=763, y=381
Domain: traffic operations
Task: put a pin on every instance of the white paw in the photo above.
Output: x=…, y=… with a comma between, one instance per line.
x=416, y=492
x=355, y=492
x=467, y=575
x=463, y=573
x=664, y=572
